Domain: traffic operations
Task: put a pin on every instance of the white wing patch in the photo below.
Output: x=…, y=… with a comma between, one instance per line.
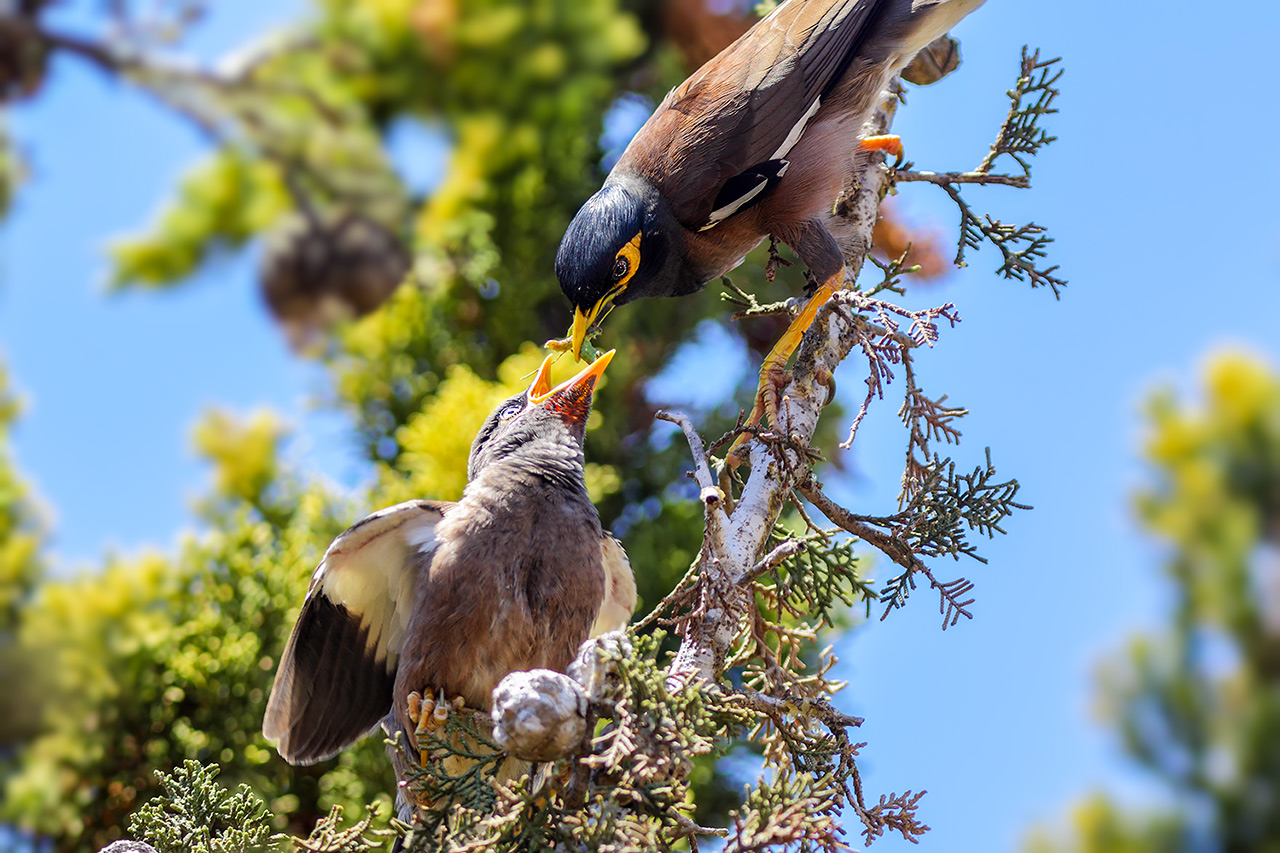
x=797, y=130
x=725, y=211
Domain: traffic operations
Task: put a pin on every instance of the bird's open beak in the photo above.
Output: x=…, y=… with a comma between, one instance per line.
x=571, y=398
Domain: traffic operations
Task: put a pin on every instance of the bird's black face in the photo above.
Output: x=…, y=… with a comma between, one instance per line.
x=539, y=418
x=607, y=255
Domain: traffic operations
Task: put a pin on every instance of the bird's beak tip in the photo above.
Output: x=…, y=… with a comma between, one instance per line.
x=581, y=323
x=593, y=371
x=602, y=362
x=541, y=386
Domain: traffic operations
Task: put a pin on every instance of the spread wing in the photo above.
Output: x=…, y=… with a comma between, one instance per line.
x=336, y=675
x=619, y=588
x=744, y=110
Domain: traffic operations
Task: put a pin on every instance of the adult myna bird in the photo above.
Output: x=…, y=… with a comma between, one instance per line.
x=432, y=599
x=757, y=142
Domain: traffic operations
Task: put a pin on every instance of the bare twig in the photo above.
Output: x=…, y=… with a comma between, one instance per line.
x=804, y=516
x=945, y=178
x=689, y=827
x=149, y=72
x=702, y=470
x=751, y=306
x=678, y=594
x=710, y=494
x=775, y=558
x=895, y=550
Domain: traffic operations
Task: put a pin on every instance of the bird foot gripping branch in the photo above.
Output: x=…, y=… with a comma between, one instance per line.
x=773, y=373
x=428, y=714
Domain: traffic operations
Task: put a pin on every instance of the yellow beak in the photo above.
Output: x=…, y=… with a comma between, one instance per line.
x=581, y=324
x=541, y=386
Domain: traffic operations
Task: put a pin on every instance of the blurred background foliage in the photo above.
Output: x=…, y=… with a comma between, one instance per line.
x=1197, y=703
x=422, y=301
x=22, y=537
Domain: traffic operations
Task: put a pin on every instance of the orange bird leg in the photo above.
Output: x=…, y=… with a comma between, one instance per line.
x=889, y=143
x=773, y=374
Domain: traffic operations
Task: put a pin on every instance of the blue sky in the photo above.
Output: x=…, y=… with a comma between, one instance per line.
x=1161, y=194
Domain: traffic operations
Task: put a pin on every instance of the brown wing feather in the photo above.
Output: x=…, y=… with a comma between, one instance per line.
x=338, y=668
x=739, y=108
x=330, y=689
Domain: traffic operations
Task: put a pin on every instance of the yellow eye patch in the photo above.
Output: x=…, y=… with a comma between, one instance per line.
x=631, y=254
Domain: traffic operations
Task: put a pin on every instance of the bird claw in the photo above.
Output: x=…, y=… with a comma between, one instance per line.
x=889, y=143
x=428, y=714
x=773, y=378
x=773, y=374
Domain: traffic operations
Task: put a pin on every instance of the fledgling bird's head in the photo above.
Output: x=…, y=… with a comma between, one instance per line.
x=545, y=424
x=623, y=244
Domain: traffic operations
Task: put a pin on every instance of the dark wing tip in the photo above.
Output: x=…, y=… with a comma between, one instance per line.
x=330, y=688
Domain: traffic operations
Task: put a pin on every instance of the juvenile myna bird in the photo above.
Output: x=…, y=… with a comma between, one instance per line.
x=432, y=599
x=757, y=142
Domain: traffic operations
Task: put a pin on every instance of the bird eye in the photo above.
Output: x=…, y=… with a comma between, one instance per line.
x=620, y=267
x=509, y=412
x=625, y=262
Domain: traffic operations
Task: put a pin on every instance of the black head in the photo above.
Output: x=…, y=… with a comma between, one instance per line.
x=623, y=244
x=544, y=423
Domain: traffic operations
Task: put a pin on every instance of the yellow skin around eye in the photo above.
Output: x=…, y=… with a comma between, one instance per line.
x=631, y=252
x=583, y=322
